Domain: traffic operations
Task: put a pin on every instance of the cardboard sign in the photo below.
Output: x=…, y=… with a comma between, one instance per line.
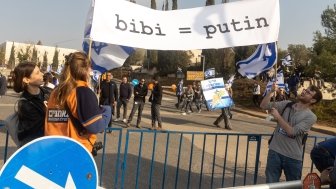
x=195, y=75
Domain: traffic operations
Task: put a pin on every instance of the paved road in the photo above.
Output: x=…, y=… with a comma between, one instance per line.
x=174, y=121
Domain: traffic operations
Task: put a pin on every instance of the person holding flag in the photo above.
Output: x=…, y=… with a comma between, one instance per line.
x=293, y=124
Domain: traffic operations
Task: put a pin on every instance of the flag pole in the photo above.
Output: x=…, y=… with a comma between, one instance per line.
x=89, y=56
x=275, y=75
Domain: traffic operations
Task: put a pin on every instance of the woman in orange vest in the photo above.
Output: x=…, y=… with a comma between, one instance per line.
x=73, y=108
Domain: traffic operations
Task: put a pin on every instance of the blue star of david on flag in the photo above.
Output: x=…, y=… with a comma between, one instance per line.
x=261, y=60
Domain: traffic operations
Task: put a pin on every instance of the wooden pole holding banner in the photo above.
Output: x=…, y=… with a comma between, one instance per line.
x=275, y=75
x=89, y=57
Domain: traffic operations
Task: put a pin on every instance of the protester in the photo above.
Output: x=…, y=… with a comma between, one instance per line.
x=3, y=85
x=140, y=93
x=108, y=93
x=31, y=106
x=156, y=98
x=73, y=109
x=125, y=93
x=225, y=113
x=198, y=97
x=293, y=124
x=189, y=96
x=323, y=156
x=179, y=93
x=293, y=82
x=281, y=95
x=256, y=93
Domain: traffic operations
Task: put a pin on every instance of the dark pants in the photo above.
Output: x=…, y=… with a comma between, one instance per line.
x=179, y=100
x=277, y=162
x=321, y=158
x=122, y=102
x=198, y=103
x=224, y=115
x=188, y=105
x=155, y=111
x=255, y=99
x=136, y=106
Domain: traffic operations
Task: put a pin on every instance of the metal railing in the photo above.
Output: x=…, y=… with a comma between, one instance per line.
x=171, y=159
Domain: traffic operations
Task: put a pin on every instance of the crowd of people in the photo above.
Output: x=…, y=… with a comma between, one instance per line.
x=72, y=109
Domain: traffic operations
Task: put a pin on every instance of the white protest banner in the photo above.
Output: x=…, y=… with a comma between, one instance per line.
x=215, y=94
x=238, y=23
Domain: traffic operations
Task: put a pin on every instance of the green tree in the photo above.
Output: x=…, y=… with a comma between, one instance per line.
x=152, y=55
x=324, y=47
x=153, y=4
x=169, y=61
x=11, y=61
x=24, y=55
x=34, y=55
x=39, y=42
x=209, y=2
x=299, y=53
x=135, y=58
x=55, y=60
x=45, y=61
x=2, y=56
x=329, y=21
x=174, y=7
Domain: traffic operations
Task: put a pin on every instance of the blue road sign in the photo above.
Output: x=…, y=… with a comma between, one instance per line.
x=50, y=162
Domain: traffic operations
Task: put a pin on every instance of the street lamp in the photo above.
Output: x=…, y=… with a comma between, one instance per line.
x=203, y=62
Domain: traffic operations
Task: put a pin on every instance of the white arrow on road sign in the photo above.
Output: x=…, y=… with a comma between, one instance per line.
x=35, y=180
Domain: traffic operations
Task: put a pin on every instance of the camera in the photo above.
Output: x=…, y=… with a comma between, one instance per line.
x=96, y=147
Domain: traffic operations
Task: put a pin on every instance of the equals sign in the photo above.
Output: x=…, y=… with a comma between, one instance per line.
x=185, y=30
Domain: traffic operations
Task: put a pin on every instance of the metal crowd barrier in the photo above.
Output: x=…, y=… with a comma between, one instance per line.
x=280, y=185
x=171, y=159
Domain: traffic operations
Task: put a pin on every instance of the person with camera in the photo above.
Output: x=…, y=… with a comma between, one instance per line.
x=73, y=109
x=293, y=124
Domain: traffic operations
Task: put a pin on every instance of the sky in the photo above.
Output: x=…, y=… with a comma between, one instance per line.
x=61, y=22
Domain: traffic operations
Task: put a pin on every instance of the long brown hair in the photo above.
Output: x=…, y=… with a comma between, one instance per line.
x=22, y=70
x=76, y=68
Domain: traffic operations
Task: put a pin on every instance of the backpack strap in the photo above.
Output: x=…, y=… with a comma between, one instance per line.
x=288, y=105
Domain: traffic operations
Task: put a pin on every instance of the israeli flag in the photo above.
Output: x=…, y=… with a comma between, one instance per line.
x=287, y=60
x=261, y=60
x=60, y=69
x=104, y=56
x=209, y=73
x=280, y=82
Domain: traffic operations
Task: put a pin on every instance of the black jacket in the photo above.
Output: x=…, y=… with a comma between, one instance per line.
x=108, y=93
x=157, y=94
x=140, y=93
x=125, y=91
x=31, y=116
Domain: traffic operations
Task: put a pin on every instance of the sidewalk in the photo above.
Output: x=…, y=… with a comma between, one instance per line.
x=317, y=127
